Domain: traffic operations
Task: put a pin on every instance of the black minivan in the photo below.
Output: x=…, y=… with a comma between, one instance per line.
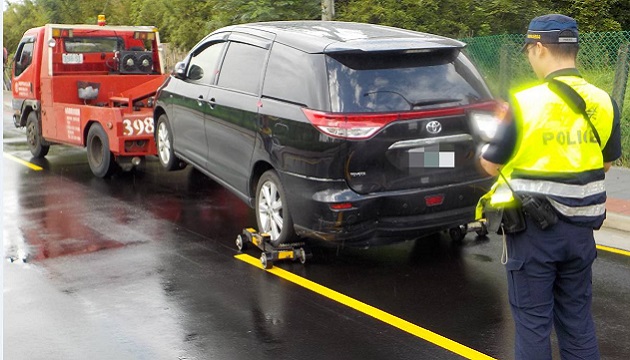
x=345, y=132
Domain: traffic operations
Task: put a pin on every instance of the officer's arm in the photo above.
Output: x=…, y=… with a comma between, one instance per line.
x=612, y=150
x=500, y=149
x=490, y=167
x=607, y=166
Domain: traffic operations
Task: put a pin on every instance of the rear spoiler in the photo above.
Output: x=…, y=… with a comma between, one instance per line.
x=415, y=44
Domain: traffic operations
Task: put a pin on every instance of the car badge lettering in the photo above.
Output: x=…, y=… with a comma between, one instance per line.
x=434, y=127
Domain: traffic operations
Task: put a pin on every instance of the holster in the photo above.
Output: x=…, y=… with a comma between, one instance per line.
x=513, y=220
x=539, y=210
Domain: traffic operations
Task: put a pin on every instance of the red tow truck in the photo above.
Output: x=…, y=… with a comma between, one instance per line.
x=90, y=86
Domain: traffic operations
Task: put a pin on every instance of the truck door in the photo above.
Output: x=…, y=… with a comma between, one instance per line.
x=24, y=71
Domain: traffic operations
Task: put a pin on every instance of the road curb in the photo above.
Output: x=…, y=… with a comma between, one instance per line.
x=617, y=221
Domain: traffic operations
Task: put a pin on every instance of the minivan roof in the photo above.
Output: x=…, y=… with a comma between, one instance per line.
x=334, y=36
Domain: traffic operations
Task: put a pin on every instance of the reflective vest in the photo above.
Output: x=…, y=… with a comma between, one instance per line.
x=556, y=155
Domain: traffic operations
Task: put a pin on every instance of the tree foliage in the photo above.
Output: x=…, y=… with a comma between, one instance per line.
x=184, y=22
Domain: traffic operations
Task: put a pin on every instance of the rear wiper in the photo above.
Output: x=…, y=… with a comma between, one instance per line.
x=434, y=102
x=416, y=104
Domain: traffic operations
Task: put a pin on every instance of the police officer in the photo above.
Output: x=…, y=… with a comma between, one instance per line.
x=562, y=137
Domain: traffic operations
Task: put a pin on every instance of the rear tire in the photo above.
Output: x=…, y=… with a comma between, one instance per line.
x=272, y=214
x=99, y=156
x=34, y=136
x=164, y=139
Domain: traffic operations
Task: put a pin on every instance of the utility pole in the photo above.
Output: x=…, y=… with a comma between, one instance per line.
x=328, y=10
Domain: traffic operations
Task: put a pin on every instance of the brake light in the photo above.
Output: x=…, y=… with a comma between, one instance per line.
x=359, y=126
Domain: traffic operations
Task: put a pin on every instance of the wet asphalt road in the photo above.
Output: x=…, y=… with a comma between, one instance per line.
x=142, y=266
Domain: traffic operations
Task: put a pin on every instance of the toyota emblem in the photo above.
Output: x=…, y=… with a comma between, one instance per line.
x=434, y=127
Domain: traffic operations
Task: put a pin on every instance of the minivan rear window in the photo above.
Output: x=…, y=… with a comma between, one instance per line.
x=385, y=82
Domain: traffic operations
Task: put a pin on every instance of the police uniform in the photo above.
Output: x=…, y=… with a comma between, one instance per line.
x=549, y=151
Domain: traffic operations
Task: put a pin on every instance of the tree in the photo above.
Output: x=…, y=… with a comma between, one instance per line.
x=17, y=18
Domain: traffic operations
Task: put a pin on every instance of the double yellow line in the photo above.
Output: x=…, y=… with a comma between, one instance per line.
x=378, y=314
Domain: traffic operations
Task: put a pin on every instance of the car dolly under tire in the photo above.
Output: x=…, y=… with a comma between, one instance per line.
x=458, y=233
x=270, y=253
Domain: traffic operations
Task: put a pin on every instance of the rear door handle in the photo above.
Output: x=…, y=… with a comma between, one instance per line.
x=212, y=103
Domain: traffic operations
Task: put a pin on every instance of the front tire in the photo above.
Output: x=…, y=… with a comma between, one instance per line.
x=99, y=156
x=272, y=214
x=34, y=137
x=166, y=153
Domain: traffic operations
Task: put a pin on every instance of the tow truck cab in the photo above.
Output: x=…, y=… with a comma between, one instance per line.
x=89, y=86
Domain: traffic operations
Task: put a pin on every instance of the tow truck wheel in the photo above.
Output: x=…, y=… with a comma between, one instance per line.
x=164, y=139
x=101, y=160
x=34, y=136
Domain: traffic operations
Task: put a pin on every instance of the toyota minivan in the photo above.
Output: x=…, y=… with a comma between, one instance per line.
x=344, y=132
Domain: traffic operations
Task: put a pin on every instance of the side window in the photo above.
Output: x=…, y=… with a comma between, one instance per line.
x=24, y=56
x=203, y=65
x=242, y=67
x=290, y=76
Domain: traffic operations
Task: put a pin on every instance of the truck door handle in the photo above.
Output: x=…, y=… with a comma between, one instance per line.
x=211, y=103
x=200, y=100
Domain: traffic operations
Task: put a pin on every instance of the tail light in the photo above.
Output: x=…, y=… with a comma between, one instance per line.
x=360, y=126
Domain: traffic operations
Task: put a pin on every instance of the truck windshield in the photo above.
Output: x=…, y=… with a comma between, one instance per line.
x=92, y=44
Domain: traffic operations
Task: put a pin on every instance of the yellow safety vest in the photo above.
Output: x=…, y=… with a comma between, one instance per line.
x=557, y=155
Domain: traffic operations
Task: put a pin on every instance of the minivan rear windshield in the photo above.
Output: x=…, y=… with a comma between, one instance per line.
x=385, y=82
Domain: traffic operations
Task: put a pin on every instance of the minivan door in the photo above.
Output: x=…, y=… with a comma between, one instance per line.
x=232, y=123
x=191, y=102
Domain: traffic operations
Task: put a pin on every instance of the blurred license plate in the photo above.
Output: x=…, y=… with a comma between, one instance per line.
x=72, y=58
x=431, y=157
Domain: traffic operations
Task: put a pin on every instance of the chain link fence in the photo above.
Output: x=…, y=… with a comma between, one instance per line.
x=603, y=60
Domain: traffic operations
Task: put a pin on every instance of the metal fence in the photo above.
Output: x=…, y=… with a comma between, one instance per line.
x=505, y=67
x=603, y=60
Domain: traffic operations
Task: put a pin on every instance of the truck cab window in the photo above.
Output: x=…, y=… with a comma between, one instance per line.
x=23, y=57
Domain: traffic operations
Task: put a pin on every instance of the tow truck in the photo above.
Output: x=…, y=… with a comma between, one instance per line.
x=90, y=86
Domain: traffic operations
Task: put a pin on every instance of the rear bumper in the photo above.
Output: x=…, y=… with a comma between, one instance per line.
x=381, y=217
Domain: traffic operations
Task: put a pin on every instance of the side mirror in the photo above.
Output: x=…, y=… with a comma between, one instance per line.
x=195, y=73
x=180, y=70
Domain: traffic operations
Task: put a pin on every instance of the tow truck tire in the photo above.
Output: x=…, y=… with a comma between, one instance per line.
x=164, y=142
x=34, y=137
x=272, y=214
x=99, y=156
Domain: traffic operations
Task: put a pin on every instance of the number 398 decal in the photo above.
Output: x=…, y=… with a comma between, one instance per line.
x=138, y=126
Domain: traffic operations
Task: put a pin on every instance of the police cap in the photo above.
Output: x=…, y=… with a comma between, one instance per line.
x=552, y=29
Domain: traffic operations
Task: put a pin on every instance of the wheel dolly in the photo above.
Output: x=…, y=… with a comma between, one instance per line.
x=271, y=253
x=458, y=233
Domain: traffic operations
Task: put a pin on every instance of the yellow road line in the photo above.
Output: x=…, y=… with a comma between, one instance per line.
x=23, y=162
x=613, y=250
x=381, y=315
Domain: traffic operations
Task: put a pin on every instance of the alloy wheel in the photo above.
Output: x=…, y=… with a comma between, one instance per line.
x=270, y=210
